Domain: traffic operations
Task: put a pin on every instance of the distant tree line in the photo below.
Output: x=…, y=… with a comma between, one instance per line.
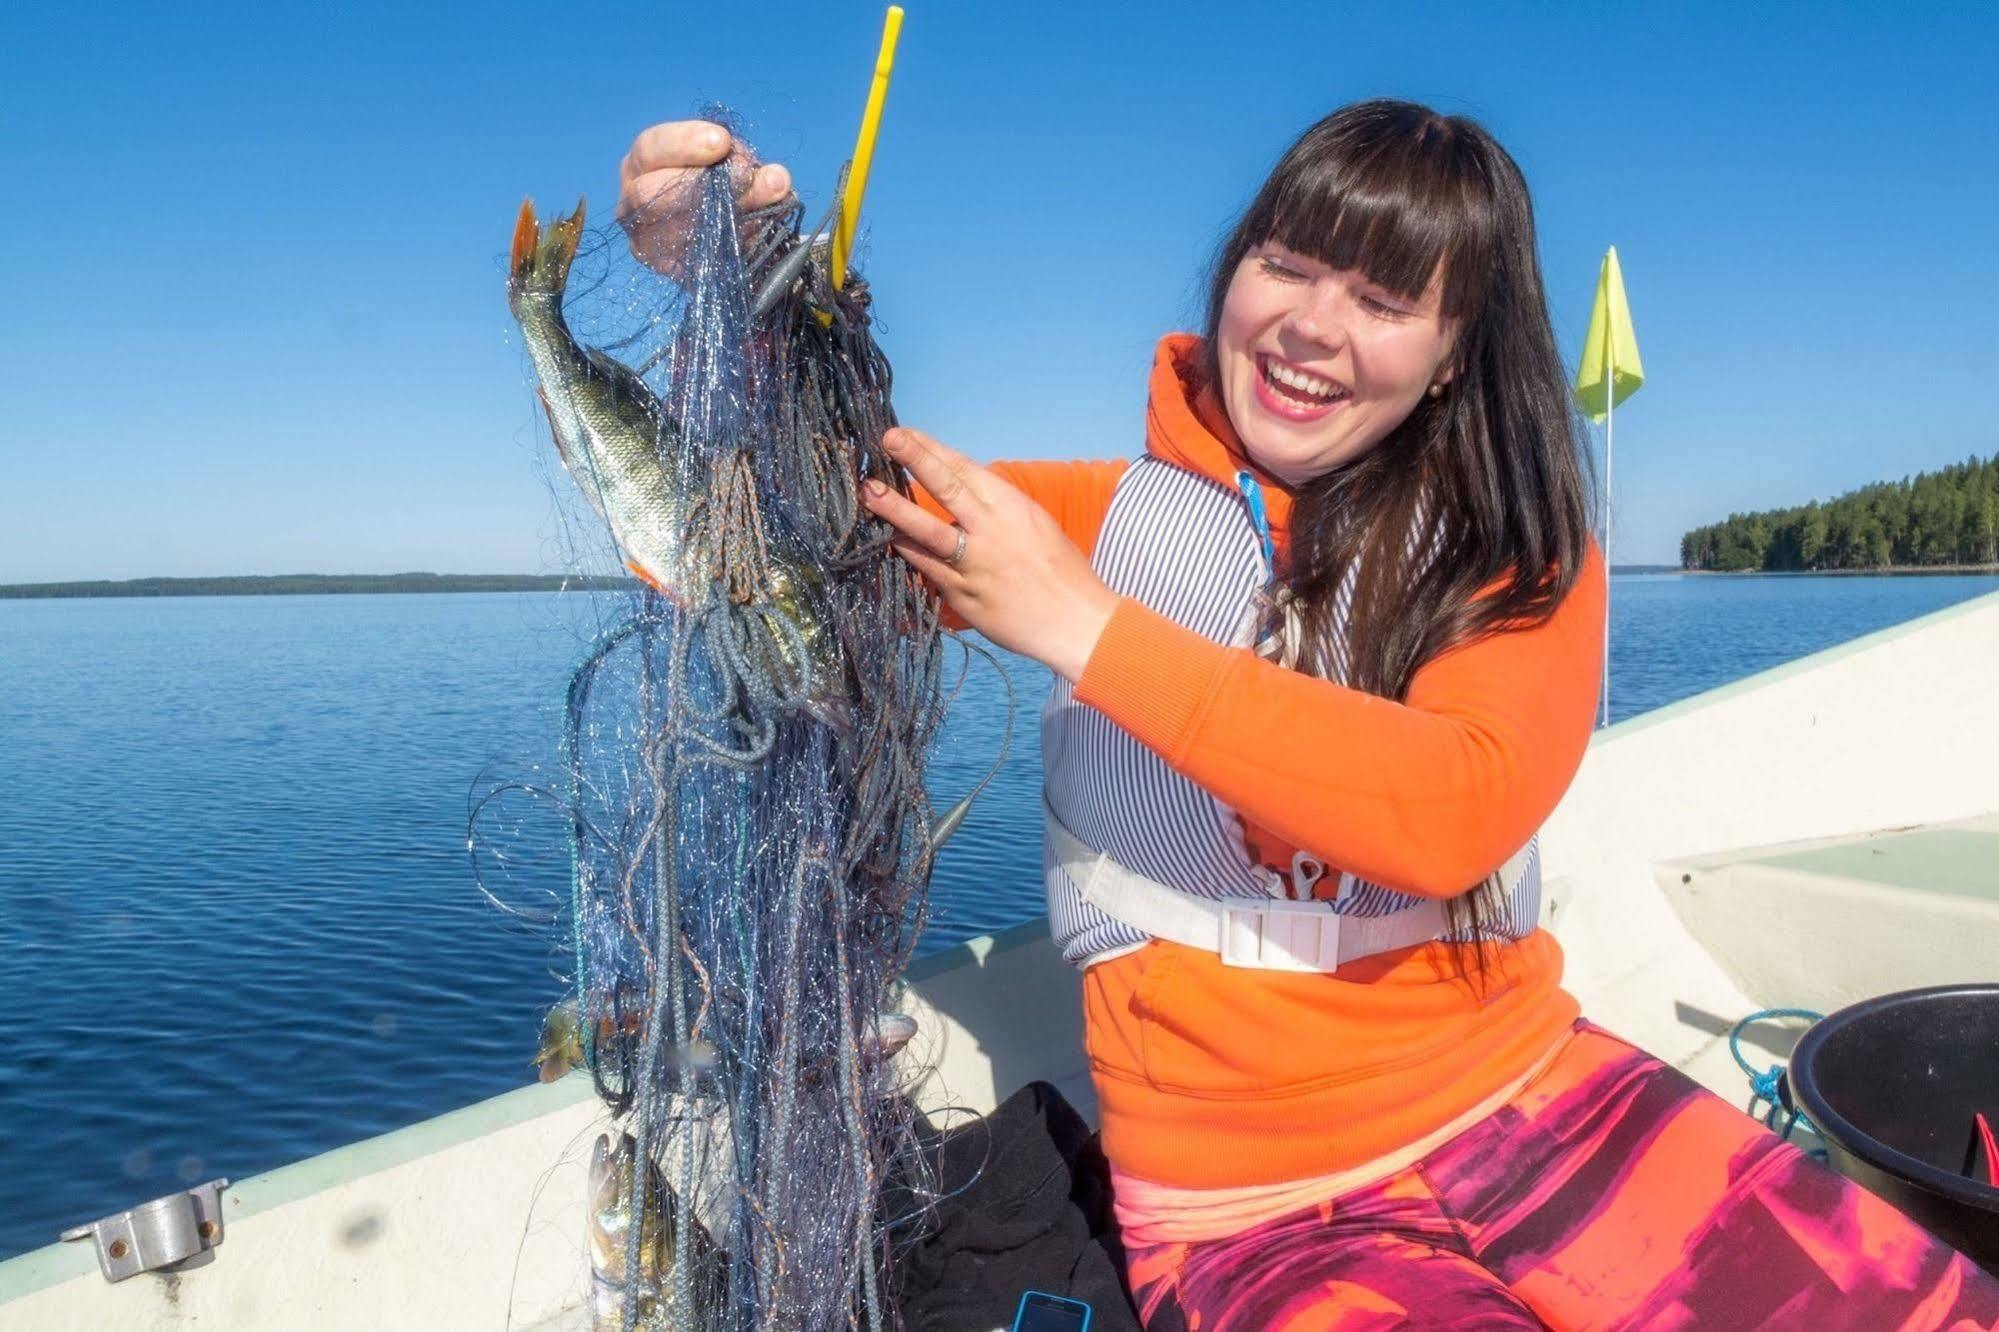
x=277, y=585
x=1933, y=519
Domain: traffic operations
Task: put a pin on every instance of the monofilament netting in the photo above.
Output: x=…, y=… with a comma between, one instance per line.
x=744, y=754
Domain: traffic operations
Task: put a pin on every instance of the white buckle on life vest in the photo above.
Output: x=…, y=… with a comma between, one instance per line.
x=1306, y=871
x=1280, y=936
x=1268, y=934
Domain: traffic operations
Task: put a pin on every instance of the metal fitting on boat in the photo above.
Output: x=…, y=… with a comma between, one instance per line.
x=167, y=1234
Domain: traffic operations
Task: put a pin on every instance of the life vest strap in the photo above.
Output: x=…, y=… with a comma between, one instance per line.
x=1270, y=934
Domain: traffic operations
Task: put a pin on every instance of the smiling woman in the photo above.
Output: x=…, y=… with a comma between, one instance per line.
x=1317, y=365
x=1327, y=657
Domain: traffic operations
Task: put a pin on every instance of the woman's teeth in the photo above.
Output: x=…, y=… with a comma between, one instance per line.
x=1301, y=384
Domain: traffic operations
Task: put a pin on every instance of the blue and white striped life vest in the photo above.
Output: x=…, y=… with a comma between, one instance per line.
x=1186, y=547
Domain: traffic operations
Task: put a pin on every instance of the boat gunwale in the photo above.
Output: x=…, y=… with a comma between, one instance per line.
x=26, y=1273
x=1784, y=670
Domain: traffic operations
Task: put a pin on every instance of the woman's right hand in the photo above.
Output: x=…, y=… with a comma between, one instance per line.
x=657, y=179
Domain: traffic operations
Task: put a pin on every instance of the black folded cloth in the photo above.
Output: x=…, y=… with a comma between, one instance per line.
x=1027, y=1207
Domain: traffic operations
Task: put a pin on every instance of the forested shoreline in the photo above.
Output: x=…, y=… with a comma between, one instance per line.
x=282, y=585
x=1933, y=520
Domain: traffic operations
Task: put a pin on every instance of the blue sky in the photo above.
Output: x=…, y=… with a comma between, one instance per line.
x=254, y=320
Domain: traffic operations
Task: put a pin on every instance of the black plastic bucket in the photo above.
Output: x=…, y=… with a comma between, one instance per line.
x=1893, y=1084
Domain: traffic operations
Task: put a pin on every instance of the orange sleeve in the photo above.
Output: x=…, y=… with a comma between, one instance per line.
x=1076, y=494
x=1428, y=796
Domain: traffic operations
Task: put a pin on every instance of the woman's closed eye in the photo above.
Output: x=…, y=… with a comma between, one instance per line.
x=1283, y=272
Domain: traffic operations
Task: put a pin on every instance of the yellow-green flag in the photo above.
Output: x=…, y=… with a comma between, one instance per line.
x=1610, y=367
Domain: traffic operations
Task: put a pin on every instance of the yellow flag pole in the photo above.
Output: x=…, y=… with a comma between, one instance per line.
x=864, y=147
x=1609, y=365
x=1613, y=345
x=1609, y=504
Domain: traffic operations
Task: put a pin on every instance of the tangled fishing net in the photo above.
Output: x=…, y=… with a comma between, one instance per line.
x=743, y=783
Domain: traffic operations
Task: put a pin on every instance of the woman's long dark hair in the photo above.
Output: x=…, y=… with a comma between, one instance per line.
x=1490, y=477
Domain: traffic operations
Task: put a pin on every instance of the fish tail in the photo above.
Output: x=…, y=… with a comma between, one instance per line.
x=645, y=575
x=542, y=255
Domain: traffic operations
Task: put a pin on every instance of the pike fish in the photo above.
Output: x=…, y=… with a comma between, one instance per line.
x=617, y=441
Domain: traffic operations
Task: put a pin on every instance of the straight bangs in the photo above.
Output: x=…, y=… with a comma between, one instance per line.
x=1392, y=192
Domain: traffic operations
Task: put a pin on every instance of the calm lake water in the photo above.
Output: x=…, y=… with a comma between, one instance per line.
x=237, y=922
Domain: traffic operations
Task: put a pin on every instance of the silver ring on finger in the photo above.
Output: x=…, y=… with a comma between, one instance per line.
x=958, y=551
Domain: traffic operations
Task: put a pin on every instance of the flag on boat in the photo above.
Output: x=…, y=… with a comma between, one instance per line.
x=1610, y=371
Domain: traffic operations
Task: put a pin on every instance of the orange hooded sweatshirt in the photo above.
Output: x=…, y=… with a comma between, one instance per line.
x=1212, y=1076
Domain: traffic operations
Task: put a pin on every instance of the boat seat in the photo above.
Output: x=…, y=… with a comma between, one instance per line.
x=1825, y=923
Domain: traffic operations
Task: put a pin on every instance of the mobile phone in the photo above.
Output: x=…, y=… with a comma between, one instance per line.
x=1051, y=1313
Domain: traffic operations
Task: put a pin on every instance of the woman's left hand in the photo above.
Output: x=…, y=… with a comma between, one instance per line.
x=1020, y=581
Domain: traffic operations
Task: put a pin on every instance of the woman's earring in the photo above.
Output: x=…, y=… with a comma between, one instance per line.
x=1436, y=390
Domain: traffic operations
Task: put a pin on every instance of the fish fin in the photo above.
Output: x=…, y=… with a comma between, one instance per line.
x=520, y=264
x=541, y=256
x=556, y=435
x=558, y=248
x=646, y=576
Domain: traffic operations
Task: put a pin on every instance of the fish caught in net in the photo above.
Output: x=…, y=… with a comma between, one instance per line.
x=743, y=782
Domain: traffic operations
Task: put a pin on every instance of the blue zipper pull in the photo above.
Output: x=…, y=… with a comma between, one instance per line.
x=1252, y=496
